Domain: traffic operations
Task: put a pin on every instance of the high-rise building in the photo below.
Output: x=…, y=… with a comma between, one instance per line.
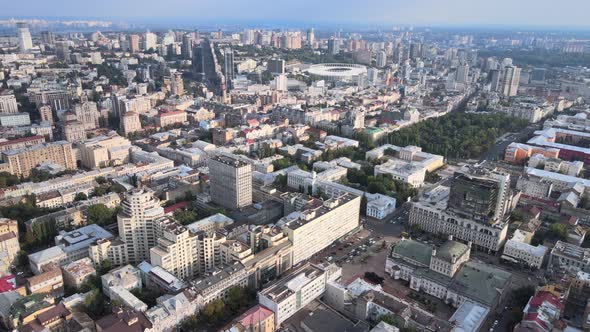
x=333, y=46
x=538, y=75
x=494, y=76
x=415, y=50
x=133, y=43
x=186, y=49
x=48, y=37
x=46, y=114
x=230, y=181
x=479, y=194
x=62, y=51
x=228, y=66
x=25, y=42
x=198, y=61
x=150, y=40
x=381, y=60
x=176, y=251
x=310, y=37
x=276, y=66
x=462, y=73
x=280, y=82
x=138, y=222
x=511, y=79
x=177, y=84
x=8, y=103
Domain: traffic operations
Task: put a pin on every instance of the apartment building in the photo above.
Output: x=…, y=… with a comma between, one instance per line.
x=20, y=162
x=21, y=143
x=130, y=123
x=169, y=118
x=8, y=102
x=9, y=245
x=138, y=221
x=519, y=250
x=78, y=272
x=176, y=251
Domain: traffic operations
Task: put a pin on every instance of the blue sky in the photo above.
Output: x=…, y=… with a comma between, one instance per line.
x=551, y=13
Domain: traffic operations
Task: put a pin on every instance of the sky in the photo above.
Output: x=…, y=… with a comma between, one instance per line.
x=514, y=13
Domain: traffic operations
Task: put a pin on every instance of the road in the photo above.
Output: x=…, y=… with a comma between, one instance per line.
x=497, y=150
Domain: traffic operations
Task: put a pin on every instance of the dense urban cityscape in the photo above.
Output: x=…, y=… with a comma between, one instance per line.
x=311, y=179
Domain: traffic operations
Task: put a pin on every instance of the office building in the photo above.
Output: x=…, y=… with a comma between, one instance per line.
x=296, y=290
x=317, y=227
x=479, y=194
x=311, y=37
x=8, y=103
x=276, y=66
x=230, y=181
x=62, y=50
x=105, y=150
x=15, y=120
x=474, y=211
x=569, y=257
x=48, y=37
x=25, y=42
x=519, y=250
x=510, y=81
x=333, y=46
x=138, y=221
x=20, y=162
x=228, y=66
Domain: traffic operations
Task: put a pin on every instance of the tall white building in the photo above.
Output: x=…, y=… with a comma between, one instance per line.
x=462, y=73
x=281, y=82
x=138, y=223
x=150, y=40
x=510, y=81
x=25, y=42
x=8, y=103
x=314, y=229
x=381, y=60
x=176, y=250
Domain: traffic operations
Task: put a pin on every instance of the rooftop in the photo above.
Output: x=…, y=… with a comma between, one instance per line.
x=417, y=251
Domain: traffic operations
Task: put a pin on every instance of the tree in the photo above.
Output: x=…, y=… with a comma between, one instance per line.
x=185, y=217
x=214, y=311
x=80, y=197
x=374, y=278
x=557, y=231
x=190, y=324
x=99, y=214
x=94, y=304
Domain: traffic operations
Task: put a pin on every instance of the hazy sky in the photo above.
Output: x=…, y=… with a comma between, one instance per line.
x=567, y=13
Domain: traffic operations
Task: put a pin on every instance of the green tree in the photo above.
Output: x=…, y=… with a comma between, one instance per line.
x=214, y=311
x=557, y=231
x=99, y=214
x=185, y=217
x=190, y=324
x=95, y=305
x=80, y=197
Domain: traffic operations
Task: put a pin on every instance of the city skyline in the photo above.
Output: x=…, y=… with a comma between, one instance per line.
x=459, y=13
